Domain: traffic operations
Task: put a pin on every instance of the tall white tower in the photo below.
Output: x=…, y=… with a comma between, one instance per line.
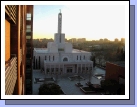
x=59, y=22
x=59, y=38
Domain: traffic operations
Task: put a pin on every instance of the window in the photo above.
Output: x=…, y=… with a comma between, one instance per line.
x=28, y=33
x=59, y=16
x=60, y=49
x=28, y=55
x=28, y=44
x=28, y=71
x=77, y=57
x=65, y=59
x=45, y=58
x=28, y=28
x=29, y=51
x=53, y=58
x=80, y=57
x=49, y=58
x=28, y=37
x=28, y=62
x=28, y=16
x=39, y=62
x=87, y=68
x=34, y=58
x=28, y=41
x=84, y=56
x=28, y=67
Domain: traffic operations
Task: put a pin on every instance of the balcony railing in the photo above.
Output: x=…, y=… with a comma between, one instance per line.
x=10, y=76
x=11, y=11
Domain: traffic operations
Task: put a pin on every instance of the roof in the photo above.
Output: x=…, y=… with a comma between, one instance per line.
x=41, y=50
x=79, y=51
x=120, y=63
x=68, y=62
x=45, y=50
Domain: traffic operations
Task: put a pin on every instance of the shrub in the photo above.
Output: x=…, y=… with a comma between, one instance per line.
x=50, y=89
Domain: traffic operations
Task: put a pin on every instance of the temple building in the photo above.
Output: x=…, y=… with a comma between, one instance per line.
x=60, y=57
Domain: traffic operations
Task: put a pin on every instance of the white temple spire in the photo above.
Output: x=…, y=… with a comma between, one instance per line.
x=59, y=22
x=59, y=37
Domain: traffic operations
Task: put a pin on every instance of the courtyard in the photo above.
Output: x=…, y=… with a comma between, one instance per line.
x=68, y=86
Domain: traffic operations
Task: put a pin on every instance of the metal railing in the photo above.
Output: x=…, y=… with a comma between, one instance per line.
x=10, y=76
x=11, y=11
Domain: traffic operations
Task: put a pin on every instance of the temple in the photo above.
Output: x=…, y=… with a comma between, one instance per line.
x=60, y=57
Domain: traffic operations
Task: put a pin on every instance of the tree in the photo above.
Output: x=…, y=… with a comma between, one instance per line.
x=90, y=75
x=93, y=59
x=50, y=89
x=123, y=56
x=110, y=86
x=118, y=50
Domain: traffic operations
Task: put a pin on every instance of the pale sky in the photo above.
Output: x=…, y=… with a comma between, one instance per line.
x=80, y=21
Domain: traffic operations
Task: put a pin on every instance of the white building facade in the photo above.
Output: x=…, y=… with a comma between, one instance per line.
x=60, y=57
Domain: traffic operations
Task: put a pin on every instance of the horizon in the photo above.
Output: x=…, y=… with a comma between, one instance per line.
x=85, y=38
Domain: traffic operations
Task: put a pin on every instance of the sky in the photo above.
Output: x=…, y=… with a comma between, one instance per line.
x=92, y=22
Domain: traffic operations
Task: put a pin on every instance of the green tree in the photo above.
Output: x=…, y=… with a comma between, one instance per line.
x=93, y=59
x=50, y=89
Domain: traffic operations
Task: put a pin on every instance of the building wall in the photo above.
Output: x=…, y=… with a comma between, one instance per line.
x=72, y=57
x=12, y=40
x=114, y=71
x=15, y=43
x=52, y=47
x=7, y=40
x=68, y=47
x=29, y=49
x=62, y=38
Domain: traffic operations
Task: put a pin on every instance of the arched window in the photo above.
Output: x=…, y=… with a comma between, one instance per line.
x=65, y=59
x=49, y=58
x=77, y=57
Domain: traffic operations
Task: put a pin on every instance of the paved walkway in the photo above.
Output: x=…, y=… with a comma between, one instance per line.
x=67, y=85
